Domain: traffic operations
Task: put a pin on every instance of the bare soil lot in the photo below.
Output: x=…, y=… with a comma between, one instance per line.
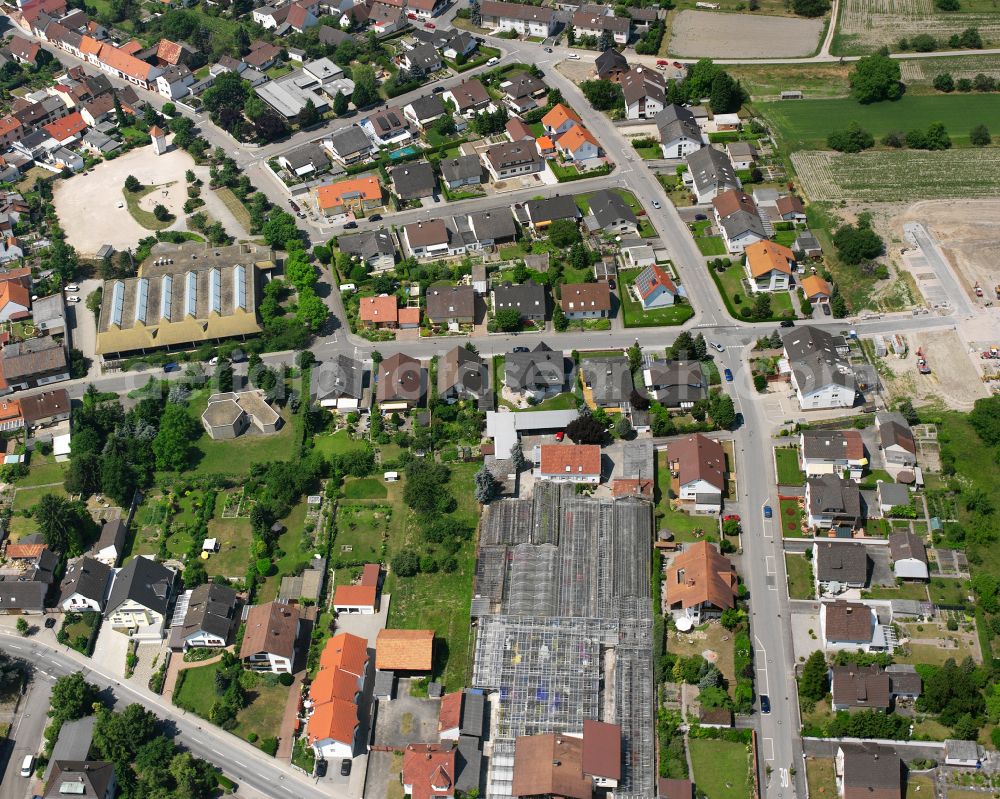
x=954, y=379
x=88, y=210
x=720, y=35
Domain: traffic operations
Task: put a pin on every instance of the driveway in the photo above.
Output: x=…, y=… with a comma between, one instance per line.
x=406, y=719
x=365, y=626
x=82, y=333
x=110, y=650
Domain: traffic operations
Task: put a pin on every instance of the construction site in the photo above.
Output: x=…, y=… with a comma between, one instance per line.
x=562, y=603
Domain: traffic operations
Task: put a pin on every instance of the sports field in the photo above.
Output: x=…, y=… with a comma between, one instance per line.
x=805, y=124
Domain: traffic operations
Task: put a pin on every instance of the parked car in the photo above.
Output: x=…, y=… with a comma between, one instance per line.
x=729, y=375
x=350, y=226
x=438, y=90
x=662, y=63
x=345, y=767
x=521, y=349
x=493, y=61
x=320, y=768
x=700, y=217
x=375, y=218
x=765, y=704
x=574, y=56
x=50, y=622
x=787, y=323
x=173, y=366
x=768, y=513
x=430, y=25
x=72, y=298
x=72, y=287
x=826, y=308
x=294, y=205
x=548, y=49
x=411, y=16
x=560, y=435
x=717, y=346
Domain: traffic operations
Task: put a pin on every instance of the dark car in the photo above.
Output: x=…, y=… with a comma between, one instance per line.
x=50, y=622
x=765, y=704
x=375, y=218
x=787, y=323
x=237, y=356
x=826, y=308
x=768, y=513
x=320, y=768
x=548, y=49
x=294, y=205
x=700, y=217
x=521, y=349
x=171, y=367
x=438, y=90
x=350, y=226
x=345, y=767
x=729, y=375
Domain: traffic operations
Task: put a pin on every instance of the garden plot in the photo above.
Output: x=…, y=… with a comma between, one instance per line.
x=923, y=70
x=707, y=34
x=897, y=176
x=866, y=25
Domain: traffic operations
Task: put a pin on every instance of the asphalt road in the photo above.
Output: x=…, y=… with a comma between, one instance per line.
x=237, y=759
x=25, y=736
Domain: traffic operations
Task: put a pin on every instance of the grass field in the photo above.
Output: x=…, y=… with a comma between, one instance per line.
x=800, y=576
x=804, y=125
x=142, y=216
x=235, y=455
x=633, y=314
x=43, y=470
x=560, y=402
x=234, y=546
x=954, y=593
x=905, y=591
x=296, y=553
x=899, y=175
x=361, y=527
x=767, y=81
x=681, y=524
x=821, y=778
x=789, y=473
x=25, y=499
x=365, y=488
x=791, y=518
x=721, y=768
x=336, y=443
x=238, y=209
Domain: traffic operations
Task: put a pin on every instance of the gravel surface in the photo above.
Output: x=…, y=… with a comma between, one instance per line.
x=713, y=34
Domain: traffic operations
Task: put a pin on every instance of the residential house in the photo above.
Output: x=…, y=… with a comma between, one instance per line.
x=848, y=625
x=559, y=120
x=85, y=585
x=742, y=154
x=578, y=144
x=426, y=9
x=407, y=651
x=175, y=82
x=698, y=463
x=414, y=180
x=523, y=19
x=679, y=132
x=422, y=59
x=32, y=363
x=339, y=383
x=832, y=452
x=612, y=214
x=349, y=145
x=820, y=373
x=570, y=463
x=740, y=225
x=522, y=92
x=383, y=18
x=45, y=408
x=424, y=110
x=357, y=194
x=895, y=439
x=586, y=23
x=869, y=771
x=361, y=597
x=305, y=160
x=701, y=583
x=654, y=288
x=469, y=97
x=429, y=771
x=263, y=55
x=15, y=299
x=535, y=374
x=585, y=300
x=542, y=213
x=790, y=209
x=269, y=640
x=110, y=547
x=462, y=375
x=568, y=766
x=447, y=305
x=458, y=43
x=709, y=173
x=832, y=501
x=87, y=778
x=527, y=298
x=379, y=312
x=430, y=239
x=301, y=17
x=271, y=17
x=387, y=127
x=401, y=384
x=769, y=265
x=518, y=131
x=120, y=64
x=462, y=713
x=855, y=687
x=333, y=725
x=892, y=495
x=23, y=50
x=611, y=65
x=840, y=565
x=509, y=159
x=908, y=555
x=376, y=249
x=675, y=384
x=141, y=596
x=465, y=170
x=813, y=286
x=210, y=618
x=490, y=228
x=644, y=90
x=607, y=382
x=480, y=278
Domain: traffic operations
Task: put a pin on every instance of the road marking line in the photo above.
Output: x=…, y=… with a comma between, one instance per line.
x=769, y=742
x=784, y=778
x=769, y=563
x=237, y=762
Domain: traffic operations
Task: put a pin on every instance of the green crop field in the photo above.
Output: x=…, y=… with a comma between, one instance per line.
x=804, y=125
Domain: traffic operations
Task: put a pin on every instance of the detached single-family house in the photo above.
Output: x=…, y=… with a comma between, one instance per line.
x=644, y=90
x=710, y=173
x=271, y=631
x=413, y=181
x=855, y=687
x=679, y=132
x=560, y=119
x=305, y=160
x=832, y=452
x=813, y=286
x=535, y=374
x=387, y=127
x=424, y=110
x=469, y=97
x=465, y=170
x=578, y=144
x=585, y=300
x=821, y=374
x=349, y=145
x=769, y=265
x=737, y=218
x=430, y=239
x=849, y=625
x=429, y=771
x=542, y=213
x=450, y=304
x=832, y=501
x=908, y=555
x=654, y=288
x=742, y=154
x=402, y=383
x=140, y=598
x=869, y=771
x=892, y=495
x=527, y=298
x=210, y=619
x=339, y=383
x=490, y=228
x=611, y=65
x=698, y=464
x=85, y=585
x=522, y=92
x=612, y=214
x=111, y=545
x=700, y=583
x=462, y=375
x=379, y=312
x=607, y=382
x=421, y=60
x=570, y=463
x=376, y=249
x=675, y=384
x=840, y=565
x=512, y=158
x=895, y=439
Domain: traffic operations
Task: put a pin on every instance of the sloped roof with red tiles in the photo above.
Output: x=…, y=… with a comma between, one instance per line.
x=354, y=596
x=574, y=138
x=404, y=650
x=9, y=124
x=450, y=713
x=169, y=52
x=125, y=62
x=336, y=720
x=558, y=115
x=345, y=651
x=12, y=292
x=131, y=47
x=430, y=769
x=23, y=49
x=571, y=459
x=10, y=411
x=333, y=684
x=379, y=309
x=67, y=127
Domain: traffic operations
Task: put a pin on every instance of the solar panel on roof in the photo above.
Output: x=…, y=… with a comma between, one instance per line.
x=117, y=303
x=191, y=294
x=240, y=286
x=215, y=291
x=141, y=299
x=166, y=296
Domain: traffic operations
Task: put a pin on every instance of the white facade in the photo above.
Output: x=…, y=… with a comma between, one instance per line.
x=268, y=661
x=77, y=603
x=137, y=621
x=832, y=395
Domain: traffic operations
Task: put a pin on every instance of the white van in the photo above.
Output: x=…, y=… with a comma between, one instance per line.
x=27, y=766
x=348, y=287
x=493, y=61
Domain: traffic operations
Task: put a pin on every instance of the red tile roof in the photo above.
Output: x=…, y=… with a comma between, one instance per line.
x=379, y=310
x=450, y=714
x=336, y=720
x=354, y=596
x=430, y=769
x=125, y=63
x=67, y=127
x=169, y=52
x=566, y=459
x=404, y=650
x=345, y=651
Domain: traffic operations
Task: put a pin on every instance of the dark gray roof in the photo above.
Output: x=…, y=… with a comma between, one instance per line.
x=740, y=222
x=113, y=533
x=521, y=84
x=904, y=544
x=334, y=36
x=464, y=371
x=87, y=577
x=610, y=60
x=842, y=562
x=80, y=778
x=527, y=297
x=712, y=169
x=473, y=713
x=874, y=769
x=413, y=180
x=73, y=742
x=306, y=154
x=536, y=369
x=423, y=57
x=22, y=595
x=211, y=609
x=461, y=168
x=493, y=225
x=368, y=244
x=552, y=208
x=145, y=581
x=815, y=362
x=674, y=382
x=340, y=377
x=428, y=107
x=450, y=302
x=349, y=140
x=610, y=380
x=677, y=122
x=468, y=764
x=384, y=683
x=609, y=208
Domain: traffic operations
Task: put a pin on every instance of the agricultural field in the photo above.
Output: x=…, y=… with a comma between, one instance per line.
x=916, y=71
x=865, y=25
x=804, y=125
x=767, y=81
x=710, y=34
x=898, y=175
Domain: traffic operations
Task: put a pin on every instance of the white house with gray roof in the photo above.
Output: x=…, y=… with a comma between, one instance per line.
x=710, y=173
x=820, y=372
x=374, y=248
x=679, y=132
x=140, y=599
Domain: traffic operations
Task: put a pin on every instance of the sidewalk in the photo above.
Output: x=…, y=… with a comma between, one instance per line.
x=286, y=735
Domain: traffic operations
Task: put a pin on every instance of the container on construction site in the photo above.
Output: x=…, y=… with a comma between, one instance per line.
x=899, y=345
x=880, y=349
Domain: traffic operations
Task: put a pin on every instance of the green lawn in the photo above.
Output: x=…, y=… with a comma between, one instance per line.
x=337, y=443
x=142, y=216
x=560, y=402
x=296, y=555
x=681, y=524
x=235, y=455
x=804, y=125
x=789, y=473
x=710, y=245
x=949, y=592
x=916, y=591
x=800, y=576
x=360, y=530
x=25, y=499
x=633, y=314
x=43, y=470
x=721, y=768
x=365, y=488
x=791, y=518
x=234, y=546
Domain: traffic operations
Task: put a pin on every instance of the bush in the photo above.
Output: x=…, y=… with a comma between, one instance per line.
x=269, y=746
x=979, y=136
x=923, y=43
x=286, y=679
x=852, y=140
x=944, y=82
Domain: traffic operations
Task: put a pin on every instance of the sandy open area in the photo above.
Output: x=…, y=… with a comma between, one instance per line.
x=715, y=34
x=954, y=378
x=88, y=210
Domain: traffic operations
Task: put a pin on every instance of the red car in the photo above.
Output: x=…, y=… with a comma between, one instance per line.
x=733, y=517
x=560, y=435
x=430, y=25
x=411, y=16
x=660, y=62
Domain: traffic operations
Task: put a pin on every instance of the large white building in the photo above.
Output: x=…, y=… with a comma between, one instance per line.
x=820, y=373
